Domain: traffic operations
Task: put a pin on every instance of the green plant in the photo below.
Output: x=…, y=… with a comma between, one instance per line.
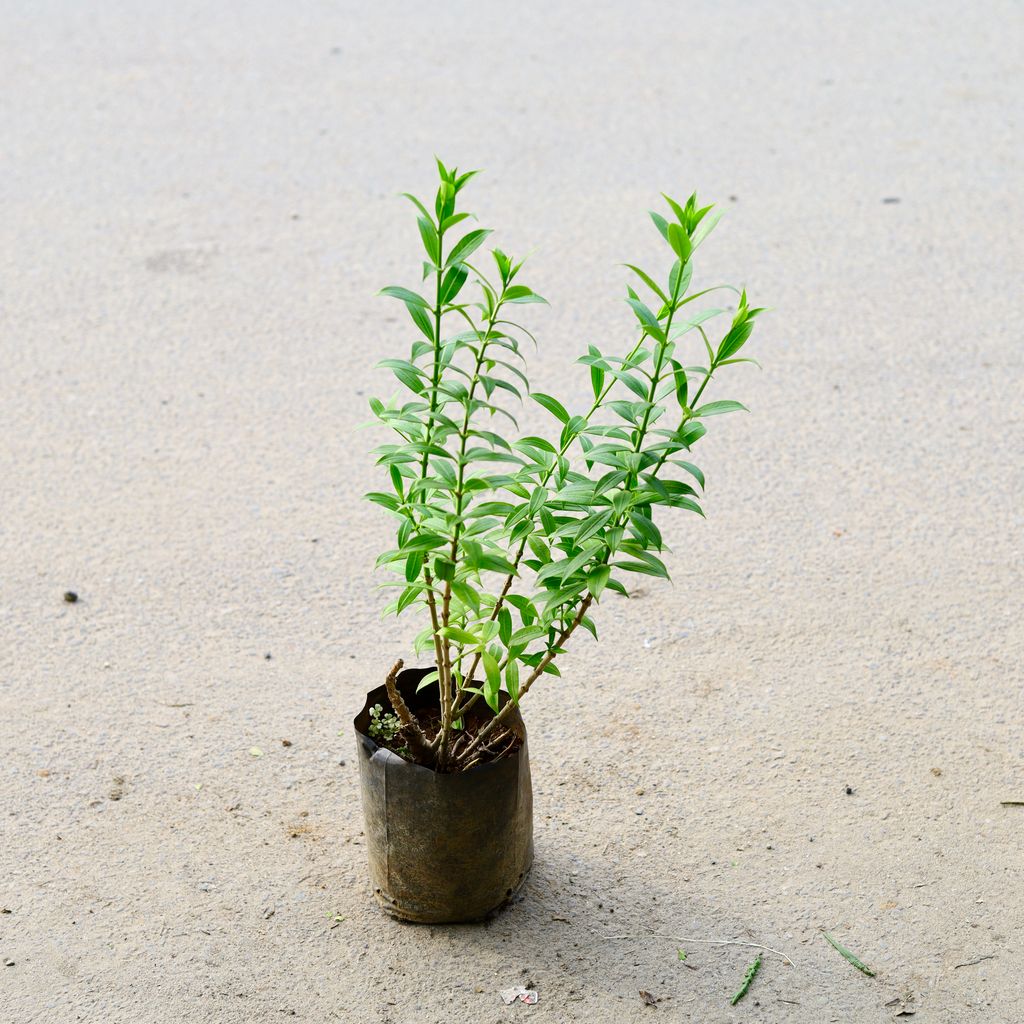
x=506, y=541
x=384, y=726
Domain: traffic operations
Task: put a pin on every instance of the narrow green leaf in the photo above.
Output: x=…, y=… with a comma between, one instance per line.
x=717, y=408
x=649, y=281
x=512, y=679
x=680, y=242
x=598, y=579
x=454, y=279
x=648, y=320
x=660, y=223
x=428, y=233
x=593, y=524
x=844, y=952
x=552, y=405
x=459, y=635
x=492, y=683
x=679, y=375
x=405, y=295
x=466, y=246
x=707, y=225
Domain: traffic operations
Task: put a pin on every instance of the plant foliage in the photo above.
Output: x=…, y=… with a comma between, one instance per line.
x=505, y=541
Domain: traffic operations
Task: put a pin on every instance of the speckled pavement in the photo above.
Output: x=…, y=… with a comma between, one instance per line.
x=199, y=202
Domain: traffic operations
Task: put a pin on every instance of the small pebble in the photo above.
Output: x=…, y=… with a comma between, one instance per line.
x=266, y=657
x=70, y=596
x=8, y=963
x=286, y=743
x=849, y=790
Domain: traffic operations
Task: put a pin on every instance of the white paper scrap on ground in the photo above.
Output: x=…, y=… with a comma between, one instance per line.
x=524, y=995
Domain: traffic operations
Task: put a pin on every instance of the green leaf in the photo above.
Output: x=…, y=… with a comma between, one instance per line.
x=505, y=626
x=735, y=340
x=423, y=542
x=552, y=405
x=679, y=375
x=680, y=242
x=592, y=524
x=466, y=246
x=844, y=952
x=430, y=240
x=676, y=209
x=418, y=204
x=444, y=569
x=660, y=223
x=388, y=501
x=707, y=225
x=597, y=580
x=649, y=281
x=466, y=594
x=413, y=566
x=692, y=470
x=521, y=294
x=512, y=679
x=408, y=596
x=679, y=279
x=452, y=283
x=459, y=635
x=717, y=408
x=647, y=319
x=492, y=684
x=404, y=295
x=421, y=320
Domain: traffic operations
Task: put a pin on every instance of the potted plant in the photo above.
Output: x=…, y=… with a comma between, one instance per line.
x=506, y=543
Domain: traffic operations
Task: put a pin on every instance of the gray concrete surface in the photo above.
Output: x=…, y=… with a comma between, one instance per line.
x=198, y=204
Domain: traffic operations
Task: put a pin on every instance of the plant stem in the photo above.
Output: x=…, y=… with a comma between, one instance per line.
x=537, y=672
x=510, y=579
x=440, y=649
x=641, y=433
x=418, y=742
x=446, y=720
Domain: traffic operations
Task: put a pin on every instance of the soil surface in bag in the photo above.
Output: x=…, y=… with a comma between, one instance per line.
x=444, y=847
x=506, y=738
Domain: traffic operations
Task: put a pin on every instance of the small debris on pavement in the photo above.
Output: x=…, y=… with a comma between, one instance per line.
x=748, y=979
x=255, y=751
x=524, y=995
x=647, y=998
x=286, y=743
x=966, y=963
x=847, y=955
x=70, y=596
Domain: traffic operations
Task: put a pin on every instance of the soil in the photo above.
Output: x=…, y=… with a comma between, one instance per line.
x=200, y=201
x=504, y=741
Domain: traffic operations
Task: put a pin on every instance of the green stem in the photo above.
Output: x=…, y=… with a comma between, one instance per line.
x=448, y=715
x=510, y=579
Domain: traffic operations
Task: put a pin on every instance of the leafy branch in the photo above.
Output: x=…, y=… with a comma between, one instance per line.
x=508, y=540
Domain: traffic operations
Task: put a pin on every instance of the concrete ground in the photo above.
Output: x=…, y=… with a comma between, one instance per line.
x=198, y=204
